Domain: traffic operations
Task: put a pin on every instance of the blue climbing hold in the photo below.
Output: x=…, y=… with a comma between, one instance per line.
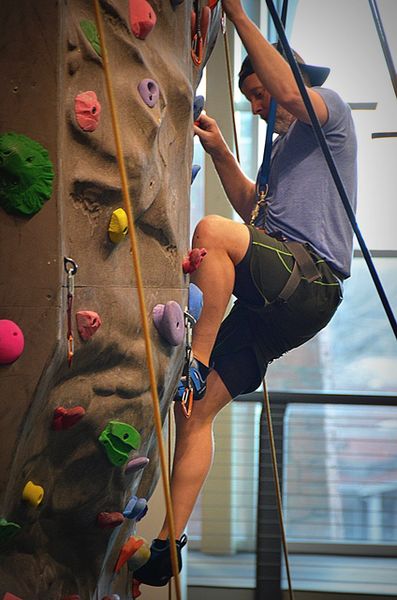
x=195, y=170
x=136, y=508
x=198, y=107
x=195, y=304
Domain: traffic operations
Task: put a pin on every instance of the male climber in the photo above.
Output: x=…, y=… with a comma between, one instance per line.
x=301, y=223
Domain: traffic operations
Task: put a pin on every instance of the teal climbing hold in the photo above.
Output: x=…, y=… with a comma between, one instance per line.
x=90, y=31
x=119, y=439
x=7, y=529
x=26, y=174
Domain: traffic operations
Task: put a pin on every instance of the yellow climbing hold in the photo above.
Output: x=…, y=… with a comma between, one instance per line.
x=118, y=226
x=33, y=494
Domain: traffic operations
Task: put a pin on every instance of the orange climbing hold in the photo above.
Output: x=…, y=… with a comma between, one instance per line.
x=193, y=260
x=131, y=546
x=142, y=18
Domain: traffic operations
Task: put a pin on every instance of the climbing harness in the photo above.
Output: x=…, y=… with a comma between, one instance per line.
x=141, y=298
x=71, y=272
x=303, y=266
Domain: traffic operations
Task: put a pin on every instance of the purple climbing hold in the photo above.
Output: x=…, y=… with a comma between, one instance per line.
x=136, y=464
x=12, y=342
x=195, y=170
x=149, y=91
x=169, y=322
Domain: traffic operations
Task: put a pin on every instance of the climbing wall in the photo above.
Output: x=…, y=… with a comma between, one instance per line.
x=78, y=458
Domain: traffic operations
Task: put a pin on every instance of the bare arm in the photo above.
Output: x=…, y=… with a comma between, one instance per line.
x=239, y=189
x=272, y=70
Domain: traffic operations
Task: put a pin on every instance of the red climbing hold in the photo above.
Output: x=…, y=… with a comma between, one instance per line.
x=107, y=520
x=136, y=592
x=64, y=418
x=142, y=18
x=8, y=596
x=72, y=597
x=130, y=547
x=192, y=261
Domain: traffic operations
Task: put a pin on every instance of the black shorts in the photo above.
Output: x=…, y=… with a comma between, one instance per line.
x=259, y=329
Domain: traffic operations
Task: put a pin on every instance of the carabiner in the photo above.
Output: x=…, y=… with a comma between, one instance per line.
x=197, y=49
x=187, y=402
x=74, y=268
x=70, y=349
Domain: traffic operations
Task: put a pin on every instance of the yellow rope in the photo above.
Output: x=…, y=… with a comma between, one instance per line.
x=277, y=486
x=139, y=284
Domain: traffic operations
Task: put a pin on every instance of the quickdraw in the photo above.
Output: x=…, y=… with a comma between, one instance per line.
x=187, y=396
x=201, y=17
x=71, y=272
x=261, y=195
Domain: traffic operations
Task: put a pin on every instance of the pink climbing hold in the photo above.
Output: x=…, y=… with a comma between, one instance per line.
x=192, y=261
x=64, y=418
x=87, y=110
x=12, y=342
x=142, y=18
x=169, y=322
x=88, y=322
x=107, y=520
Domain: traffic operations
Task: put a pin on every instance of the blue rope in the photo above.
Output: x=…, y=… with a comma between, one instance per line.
x=331, y=164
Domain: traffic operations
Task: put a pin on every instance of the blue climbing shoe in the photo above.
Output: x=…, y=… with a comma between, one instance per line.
x=157, y=571
x=198, y=381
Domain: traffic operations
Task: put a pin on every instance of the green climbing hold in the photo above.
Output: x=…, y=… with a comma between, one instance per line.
x=7, y=530
x=118, y=440
x=26, y=174
x=91, y=33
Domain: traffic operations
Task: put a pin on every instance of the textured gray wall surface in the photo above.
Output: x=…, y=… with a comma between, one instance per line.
x=46, y=60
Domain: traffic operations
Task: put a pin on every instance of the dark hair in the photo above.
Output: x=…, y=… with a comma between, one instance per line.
x=247, y=68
